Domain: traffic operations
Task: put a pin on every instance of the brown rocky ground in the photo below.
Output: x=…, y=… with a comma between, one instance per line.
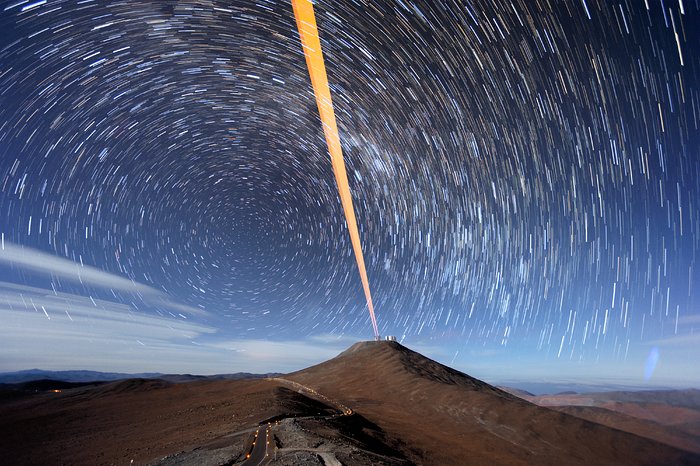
x=437, y=415
x=405, y=409
x=668, y=416
x=136, y=419
x=157, y=422
x=343, y=441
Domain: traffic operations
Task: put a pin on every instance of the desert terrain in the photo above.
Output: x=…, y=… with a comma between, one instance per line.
x=376, y=403
x=669, y=416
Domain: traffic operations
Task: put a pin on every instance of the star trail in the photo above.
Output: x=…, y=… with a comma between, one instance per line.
x=525, y=174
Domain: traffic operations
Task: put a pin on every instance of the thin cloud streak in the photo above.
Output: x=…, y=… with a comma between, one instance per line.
x=54, y=332
x=63, y=331
x=41, y=262
x=690, y=341
x=142, y=346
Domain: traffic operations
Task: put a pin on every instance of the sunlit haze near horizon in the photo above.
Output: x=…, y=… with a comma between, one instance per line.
x=525, y=175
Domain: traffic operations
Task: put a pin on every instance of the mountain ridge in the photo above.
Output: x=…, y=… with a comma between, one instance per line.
x=78, y=375
x=402, y=408
x=425, y=404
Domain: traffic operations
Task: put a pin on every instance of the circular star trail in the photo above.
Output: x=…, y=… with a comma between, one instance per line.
x=525, y=174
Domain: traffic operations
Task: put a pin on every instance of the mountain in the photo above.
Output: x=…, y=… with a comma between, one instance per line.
x=376, y=403
x=669, y=416
x=30, y=375
x=441, y=416
x=67, y=376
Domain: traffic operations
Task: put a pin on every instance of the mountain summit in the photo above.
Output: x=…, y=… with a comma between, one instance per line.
x=390, y=362
x=438, y=415
x=375, y=403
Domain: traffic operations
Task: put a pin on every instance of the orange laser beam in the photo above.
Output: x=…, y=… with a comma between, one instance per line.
x=308, y=32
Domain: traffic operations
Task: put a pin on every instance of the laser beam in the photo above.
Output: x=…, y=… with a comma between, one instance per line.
x=308, y=33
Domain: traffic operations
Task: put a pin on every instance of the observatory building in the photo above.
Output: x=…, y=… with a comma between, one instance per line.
x=386, y=338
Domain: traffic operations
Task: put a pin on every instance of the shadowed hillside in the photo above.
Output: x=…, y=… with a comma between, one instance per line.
x=669, y=416
x=438, y=415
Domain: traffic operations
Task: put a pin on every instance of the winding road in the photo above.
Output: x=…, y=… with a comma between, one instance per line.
x=259, y=454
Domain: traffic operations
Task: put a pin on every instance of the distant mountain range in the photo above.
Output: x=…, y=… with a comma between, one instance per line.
x=30, y=375
x=551, y=388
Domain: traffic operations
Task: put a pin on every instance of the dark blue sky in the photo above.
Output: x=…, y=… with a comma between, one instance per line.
x=526, y=178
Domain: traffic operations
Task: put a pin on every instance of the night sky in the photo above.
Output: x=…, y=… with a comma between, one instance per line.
x=525, y=174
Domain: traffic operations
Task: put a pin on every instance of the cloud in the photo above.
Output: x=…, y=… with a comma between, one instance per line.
x=61, y=331
x=41, y=262
x=333, y=339
x=38, y=261
x=56, y=330
x=691, y=319
x=689, y=341
x=64, y=331
x=280, y=356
